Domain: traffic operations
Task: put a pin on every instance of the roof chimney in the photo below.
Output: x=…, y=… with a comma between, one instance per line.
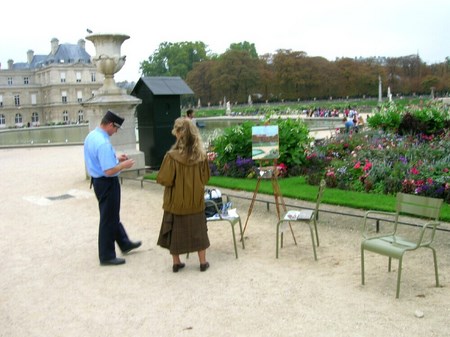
x=30, y=55
x=55, y=44
x=10, y=64
x=82, y=44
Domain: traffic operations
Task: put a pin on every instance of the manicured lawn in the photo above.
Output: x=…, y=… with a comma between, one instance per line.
x=297, y=188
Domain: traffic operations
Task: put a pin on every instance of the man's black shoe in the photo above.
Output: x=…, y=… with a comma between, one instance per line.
x=113, y=262
x=131, y=246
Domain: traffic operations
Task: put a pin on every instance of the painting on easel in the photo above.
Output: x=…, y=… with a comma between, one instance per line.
x=265, y=142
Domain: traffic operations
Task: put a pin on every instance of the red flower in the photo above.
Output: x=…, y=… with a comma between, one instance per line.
x=357, y=165
x=368, y=165
x=414, y=170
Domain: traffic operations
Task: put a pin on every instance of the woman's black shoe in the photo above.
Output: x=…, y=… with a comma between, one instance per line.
x=177, y=267
x=204, y=266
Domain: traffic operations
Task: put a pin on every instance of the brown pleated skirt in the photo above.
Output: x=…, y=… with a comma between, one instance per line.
x=183, y=234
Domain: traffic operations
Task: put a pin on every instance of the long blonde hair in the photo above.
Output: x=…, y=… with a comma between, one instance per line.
x=188, y=143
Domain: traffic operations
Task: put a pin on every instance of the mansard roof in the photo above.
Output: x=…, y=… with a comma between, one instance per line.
x=65, y=54
x=69, y=53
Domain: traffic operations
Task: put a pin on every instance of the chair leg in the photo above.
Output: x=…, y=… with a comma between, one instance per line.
x=399, y=275
x=277, y=239
x=234, y=240
x=389, y=264
x=313, y=243
x=292, y=232
x=242, y=234
x=317, y=233
x=362, y=264
x=435, y=266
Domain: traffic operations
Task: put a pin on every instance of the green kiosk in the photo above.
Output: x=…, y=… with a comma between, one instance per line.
x=161, y=105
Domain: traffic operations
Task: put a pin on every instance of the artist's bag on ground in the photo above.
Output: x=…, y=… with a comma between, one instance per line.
x=215, y=195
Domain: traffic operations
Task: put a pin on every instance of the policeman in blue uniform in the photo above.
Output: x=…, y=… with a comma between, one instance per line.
x=104, y=166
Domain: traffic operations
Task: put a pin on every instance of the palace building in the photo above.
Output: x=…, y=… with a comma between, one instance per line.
x=48, y=89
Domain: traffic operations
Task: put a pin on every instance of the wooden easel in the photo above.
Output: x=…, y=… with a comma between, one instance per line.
x=276, y=193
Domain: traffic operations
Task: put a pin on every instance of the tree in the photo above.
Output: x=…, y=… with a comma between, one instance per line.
x=245, y=46
x=199, y=80
x=174, y=59
x=236, y=75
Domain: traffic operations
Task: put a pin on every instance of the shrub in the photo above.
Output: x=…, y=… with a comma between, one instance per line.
x=234, y=147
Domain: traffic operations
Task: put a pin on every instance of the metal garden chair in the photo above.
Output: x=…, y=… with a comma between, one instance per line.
x=394, y=245
x=308, y=216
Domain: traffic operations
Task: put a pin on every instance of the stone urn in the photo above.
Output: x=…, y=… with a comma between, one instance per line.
x=108, y=59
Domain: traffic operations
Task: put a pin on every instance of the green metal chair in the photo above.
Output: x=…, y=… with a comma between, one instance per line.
x=308, y=216
x=393, y=245
x=232, y=220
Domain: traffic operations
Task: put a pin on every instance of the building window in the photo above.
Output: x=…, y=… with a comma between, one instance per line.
x=80, y=116
x=35, y=118
x=33, y=99
x=1, y=101
x=18, y=119
x=65, y=116
x=93, y=77
x=63, y=77
x=26, y=80
x=78, y=77
x=10, y=82
x=79, y=96
x=16, y=100
x=64, y=96
x=2, y=120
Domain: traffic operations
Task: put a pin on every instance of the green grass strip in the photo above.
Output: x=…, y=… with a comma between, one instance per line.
x=297, y=188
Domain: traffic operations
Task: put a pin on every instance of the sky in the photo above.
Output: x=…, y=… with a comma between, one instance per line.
x=328, y=28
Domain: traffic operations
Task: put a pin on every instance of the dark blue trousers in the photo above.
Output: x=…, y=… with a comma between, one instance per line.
x=111, y=230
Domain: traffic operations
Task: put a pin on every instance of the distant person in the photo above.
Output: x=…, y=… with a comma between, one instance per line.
x=359, y=124
x=184, y=173
x=348, y=123
x=190, y=114
x=104, y=166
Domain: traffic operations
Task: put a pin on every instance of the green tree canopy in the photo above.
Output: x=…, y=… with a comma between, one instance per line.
x=291, y=75
x=174, y=59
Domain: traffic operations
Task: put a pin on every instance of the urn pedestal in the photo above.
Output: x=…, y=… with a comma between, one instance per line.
x=108, y=60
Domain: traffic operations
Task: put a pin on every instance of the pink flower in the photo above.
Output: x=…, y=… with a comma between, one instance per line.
x=330, y=173
x=414, y=170
x=367, y=166
x=357, y=165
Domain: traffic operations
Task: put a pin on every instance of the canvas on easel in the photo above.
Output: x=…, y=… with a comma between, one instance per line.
x=265, y=142
x=265, y=149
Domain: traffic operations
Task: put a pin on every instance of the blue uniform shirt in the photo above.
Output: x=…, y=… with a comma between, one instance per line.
x=99, y=154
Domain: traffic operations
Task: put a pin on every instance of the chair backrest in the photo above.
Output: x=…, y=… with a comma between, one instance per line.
x=419, y=206
x=212, y=204
x=322, y=185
